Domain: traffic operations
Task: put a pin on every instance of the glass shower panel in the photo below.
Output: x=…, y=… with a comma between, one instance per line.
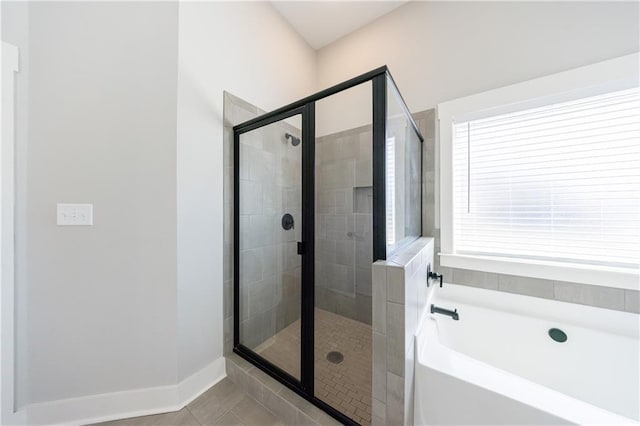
x=403, y=171
x=270, y=225
x=357, y=132
x=344, y=251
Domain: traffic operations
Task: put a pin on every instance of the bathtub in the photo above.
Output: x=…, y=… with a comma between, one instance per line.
x=498, y=365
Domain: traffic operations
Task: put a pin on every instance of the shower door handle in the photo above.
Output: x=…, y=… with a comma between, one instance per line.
x=301, y=247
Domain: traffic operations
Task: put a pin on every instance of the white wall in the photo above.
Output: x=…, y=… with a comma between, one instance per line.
x=102, y=110
x=97, y=310
x=109, y=112
x=249, y=50
x=15, y=30
x=439, y=51
x=119, y=118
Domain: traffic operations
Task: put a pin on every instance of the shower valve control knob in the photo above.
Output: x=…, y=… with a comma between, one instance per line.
x=433, y=275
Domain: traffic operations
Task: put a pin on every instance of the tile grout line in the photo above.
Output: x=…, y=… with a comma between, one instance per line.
x=192, y=415
x=275, y=415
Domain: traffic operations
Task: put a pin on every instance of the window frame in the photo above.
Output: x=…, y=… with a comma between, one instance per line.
x=615, y=74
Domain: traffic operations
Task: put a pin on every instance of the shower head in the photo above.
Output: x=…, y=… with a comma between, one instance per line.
x=295, y=141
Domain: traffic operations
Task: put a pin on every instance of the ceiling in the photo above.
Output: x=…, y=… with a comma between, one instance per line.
x=323, y=22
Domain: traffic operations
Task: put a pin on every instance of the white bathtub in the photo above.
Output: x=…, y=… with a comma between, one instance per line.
x=498, y=365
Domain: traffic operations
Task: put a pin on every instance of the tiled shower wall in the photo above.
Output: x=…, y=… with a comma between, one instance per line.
x=400, y=294
x=344, y=240
x=269, y=187
x=605, y=297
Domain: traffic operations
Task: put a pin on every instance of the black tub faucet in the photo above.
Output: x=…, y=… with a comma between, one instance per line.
x=453, y=314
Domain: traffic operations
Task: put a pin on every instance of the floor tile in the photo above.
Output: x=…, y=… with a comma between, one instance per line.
x=215, y=402
x=178, y=418
x=228, y=419
x=251, y=413
x=345, y=385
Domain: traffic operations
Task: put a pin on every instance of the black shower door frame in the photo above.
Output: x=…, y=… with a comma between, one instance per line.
x=303, y=386
x=306, y=107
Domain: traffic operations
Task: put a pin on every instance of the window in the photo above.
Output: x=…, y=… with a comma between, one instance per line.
x=549, y=180
x=559, y=182
x=390, y=186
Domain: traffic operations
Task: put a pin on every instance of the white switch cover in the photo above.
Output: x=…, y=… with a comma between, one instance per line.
x=75, y=215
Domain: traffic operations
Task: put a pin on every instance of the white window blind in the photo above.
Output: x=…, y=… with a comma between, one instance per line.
x=391, y=190
x=559, y=182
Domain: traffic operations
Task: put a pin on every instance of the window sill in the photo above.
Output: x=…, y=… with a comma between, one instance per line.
x=576, y=273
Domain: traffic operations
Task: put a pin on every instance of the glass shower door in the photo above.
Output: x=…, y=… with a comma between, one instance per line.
x=269, y=257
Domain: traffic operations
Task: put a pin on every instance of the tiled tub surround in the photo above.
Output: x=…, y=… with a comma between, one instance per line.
x=600, y=296
x=399, y=300
x=344, y=236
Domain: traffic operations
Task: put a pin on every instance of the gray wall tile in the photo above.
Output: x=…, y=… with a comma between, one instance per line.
x=363, y=280
x=254, y=387
x=378, y=421
x=395, y=338
x=604, y=297
x=378, y=409
x=395, y=399
x=486, y=280
x=379, y=290
x=379, y=380
x=279, y=406
x=395, y=284
x=304, y=406
x=251, y=412
x=264, y=379
x=632, y=301
x=364, y=306
x=527, y=286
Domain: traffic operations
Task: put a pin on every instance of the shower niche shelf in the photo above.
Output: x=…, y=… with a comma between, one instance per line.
x=363, y=199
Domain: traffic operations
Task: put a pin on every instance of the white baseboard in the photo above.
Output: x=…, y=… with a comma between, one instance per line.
x=17, y=418
x=133, y=403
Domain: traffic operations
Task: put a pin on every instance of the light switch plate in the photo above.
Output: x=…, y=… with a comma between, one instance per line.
x=75, y=215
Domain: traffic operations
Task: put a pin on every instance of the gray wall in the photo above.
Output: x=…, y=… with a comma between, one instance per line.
x=101, y=126
x=442, y=50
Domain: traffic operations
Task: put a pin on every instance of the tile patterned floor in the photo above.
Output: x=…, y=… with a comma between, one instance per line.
x=222, y=405
x=345, y=386
x=283, y=349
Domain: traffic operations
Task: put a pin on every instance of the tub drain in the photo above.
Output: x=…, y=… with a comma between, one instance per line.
x=335, y=357
x=558, y=335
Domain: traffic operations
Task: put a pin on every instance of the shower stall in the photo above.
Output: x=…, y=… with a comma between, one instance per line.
x=323, y=188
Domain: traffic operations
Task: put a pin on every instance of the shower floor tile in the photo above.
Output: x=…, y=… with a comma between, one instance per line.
x=345, y=386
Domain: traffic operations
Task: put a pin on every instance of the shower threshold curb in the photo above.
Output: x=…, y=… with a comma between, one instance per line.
x=286, y=404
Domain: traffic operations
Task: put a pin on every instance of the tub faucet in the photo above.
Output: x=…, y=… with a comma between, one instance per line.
x=453, y=314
